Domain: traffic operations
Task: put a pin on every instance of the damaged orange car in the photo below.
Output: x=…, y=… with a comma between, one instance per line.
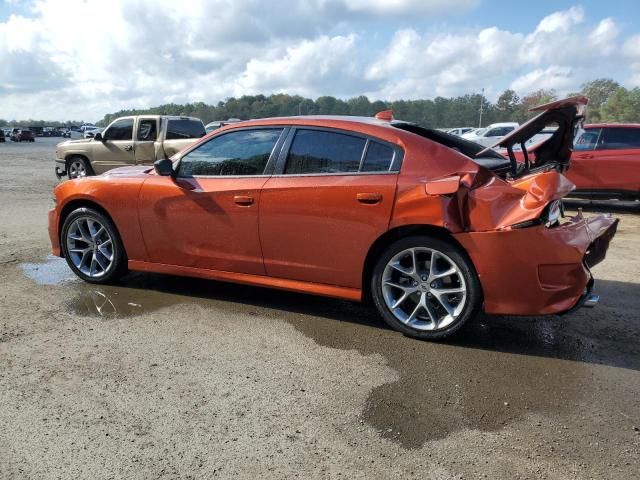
x=350, y=207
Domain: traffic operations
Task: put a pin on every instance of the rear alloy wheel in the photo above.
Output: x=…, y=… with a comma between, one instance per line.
x=425, y=287
x=78, y=167
x=92, y=246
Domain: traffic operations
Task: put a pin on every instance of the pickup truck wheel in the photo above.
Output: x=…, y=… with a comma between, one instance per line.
x=78, y=167
x=92, y=246
x=425, y=287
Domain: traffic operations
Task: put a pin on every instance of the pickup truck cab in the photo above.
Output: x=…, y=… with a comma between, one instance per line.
x=138, y=140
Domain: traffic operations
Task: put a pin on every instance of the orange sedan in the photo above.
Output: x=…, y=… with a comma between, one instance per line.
x=350, y=207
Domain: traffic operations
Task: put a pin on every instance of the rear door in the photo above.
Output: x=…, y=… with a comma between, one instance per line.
x=607, y=159
x=179, y=133
x=146, y=135
x=330, y=198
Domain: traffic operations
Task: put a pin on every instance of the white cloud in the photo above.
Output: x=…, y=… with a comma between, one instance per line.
x=554, y=77
x=409, y=7
x=562, y=52
x=83, y=58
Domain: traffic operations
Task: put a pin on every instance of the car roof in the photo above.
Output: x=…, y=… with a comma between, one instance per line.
x=314, y=120
x=609, y=125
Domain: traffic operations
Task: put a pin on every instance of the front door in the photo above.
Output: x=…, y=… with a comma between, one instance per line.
x=207, y=216
x=331, y=199
x=116, y=147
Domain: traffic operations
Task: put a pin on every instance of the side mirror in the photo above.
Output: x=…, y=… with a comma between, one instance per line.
x=98, y=137
x=163, y=167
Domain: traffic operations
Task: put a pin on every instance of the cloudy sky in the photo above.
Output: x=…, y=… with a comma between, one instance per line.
x=80, y=59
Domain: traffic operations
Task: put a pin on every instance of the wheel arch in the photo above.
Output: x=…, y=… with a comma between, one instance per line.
x=82, y=203
x=394, y=234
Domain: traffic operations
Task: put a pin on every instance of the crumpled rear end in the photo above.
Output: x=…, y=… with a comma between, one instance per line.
x=538, y=270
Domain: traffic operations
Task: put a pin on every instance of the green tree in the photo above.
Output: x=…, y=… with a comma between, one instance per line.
x=598, y=92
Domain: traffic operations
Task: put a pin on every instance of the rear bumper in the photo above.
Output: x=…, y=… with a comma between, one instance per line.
x=538, y=270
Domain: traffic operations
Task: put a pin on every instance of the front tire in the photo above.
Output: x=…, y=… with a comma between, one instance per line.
x=425, y=287
x=78, y=167
x=92, y=246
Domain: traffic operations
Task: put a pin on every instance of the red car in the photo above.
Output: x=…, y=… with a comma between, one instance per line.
x=23, y=135
x=606, y=161
x=350, y=207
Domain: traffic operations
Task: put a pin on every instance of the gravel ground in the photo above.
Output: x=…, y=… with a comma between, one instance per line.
x=162, y=377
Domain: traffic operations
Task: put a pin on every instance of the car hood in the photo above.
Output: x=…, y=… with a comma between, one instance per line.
x=135, y=171
x=75, y=142
x=556, y=150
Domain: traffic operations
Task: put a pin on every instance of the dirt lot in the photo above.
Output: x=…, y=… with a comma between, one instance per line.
x=162, y=377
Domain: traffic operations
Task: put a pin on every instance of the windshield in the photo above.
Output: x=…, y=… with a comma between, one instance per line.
x=480, y=132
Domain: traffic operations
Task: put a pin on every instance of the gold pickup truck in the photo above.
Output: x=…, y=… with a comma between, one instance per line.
x=139, y=140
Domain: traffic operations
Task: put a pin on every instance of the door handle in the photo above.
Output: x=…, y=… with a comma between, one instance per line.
x=585, y=155
x=128, y=148
x=243, y=200
x=369, y=198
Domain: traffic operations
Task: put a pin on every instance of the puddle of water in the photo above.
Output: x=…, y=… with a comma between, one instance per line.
x=53, y=271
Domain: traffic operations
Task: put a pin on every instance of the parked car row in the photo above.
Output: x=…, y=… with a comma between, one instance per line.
x=16, y=135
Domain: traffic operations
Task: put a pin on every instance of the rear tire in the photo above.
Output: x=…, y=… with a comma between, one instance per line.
x=92, y=246
x=425, y=287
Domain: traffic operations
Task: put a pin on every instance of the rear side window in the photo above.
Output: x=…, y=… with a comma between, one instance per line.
x=378, y=158
x=315, y=151
x=620, y=138
x=586, y=139
x=120, y=130
x=147, y=130
x=179, y=129
x=244, y=152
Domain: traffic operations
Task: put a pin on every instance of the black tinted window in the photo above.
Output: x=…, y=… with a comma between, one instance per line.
x=120, y=130
x=244, y=152
x=314, y=151
x=378, y=158
x=147, y=130
x=619, y=138
x=184, y=128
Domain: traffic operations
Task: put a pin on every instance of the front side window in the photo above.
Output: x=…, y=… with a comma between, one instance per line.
x=120, y=130
x=620, y=138
x=586, y=139
x=244, y=152
x=316, y=151
x=184, y=128
x=147, y=130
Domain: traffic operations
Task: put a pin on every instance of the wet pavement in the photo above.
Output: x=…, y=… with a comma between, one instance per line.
x=495, y=371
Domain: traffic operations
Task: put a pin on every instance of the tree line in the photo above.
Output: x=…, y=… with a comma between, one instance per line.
x=608, y=102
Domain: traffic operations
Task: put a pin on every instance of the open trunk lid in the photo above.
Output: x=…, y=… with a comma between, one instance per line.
x=563, y=115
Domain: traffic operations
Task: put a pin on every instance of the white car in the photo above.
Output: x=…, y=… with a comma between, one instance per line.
x=490, y=135
x=91, y=132
x=460, y=130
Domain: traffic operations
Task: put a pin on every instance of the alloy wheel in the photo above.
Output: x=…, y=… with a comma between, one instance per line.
x=77, y=169
x=424, y=288
x=90, y=247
